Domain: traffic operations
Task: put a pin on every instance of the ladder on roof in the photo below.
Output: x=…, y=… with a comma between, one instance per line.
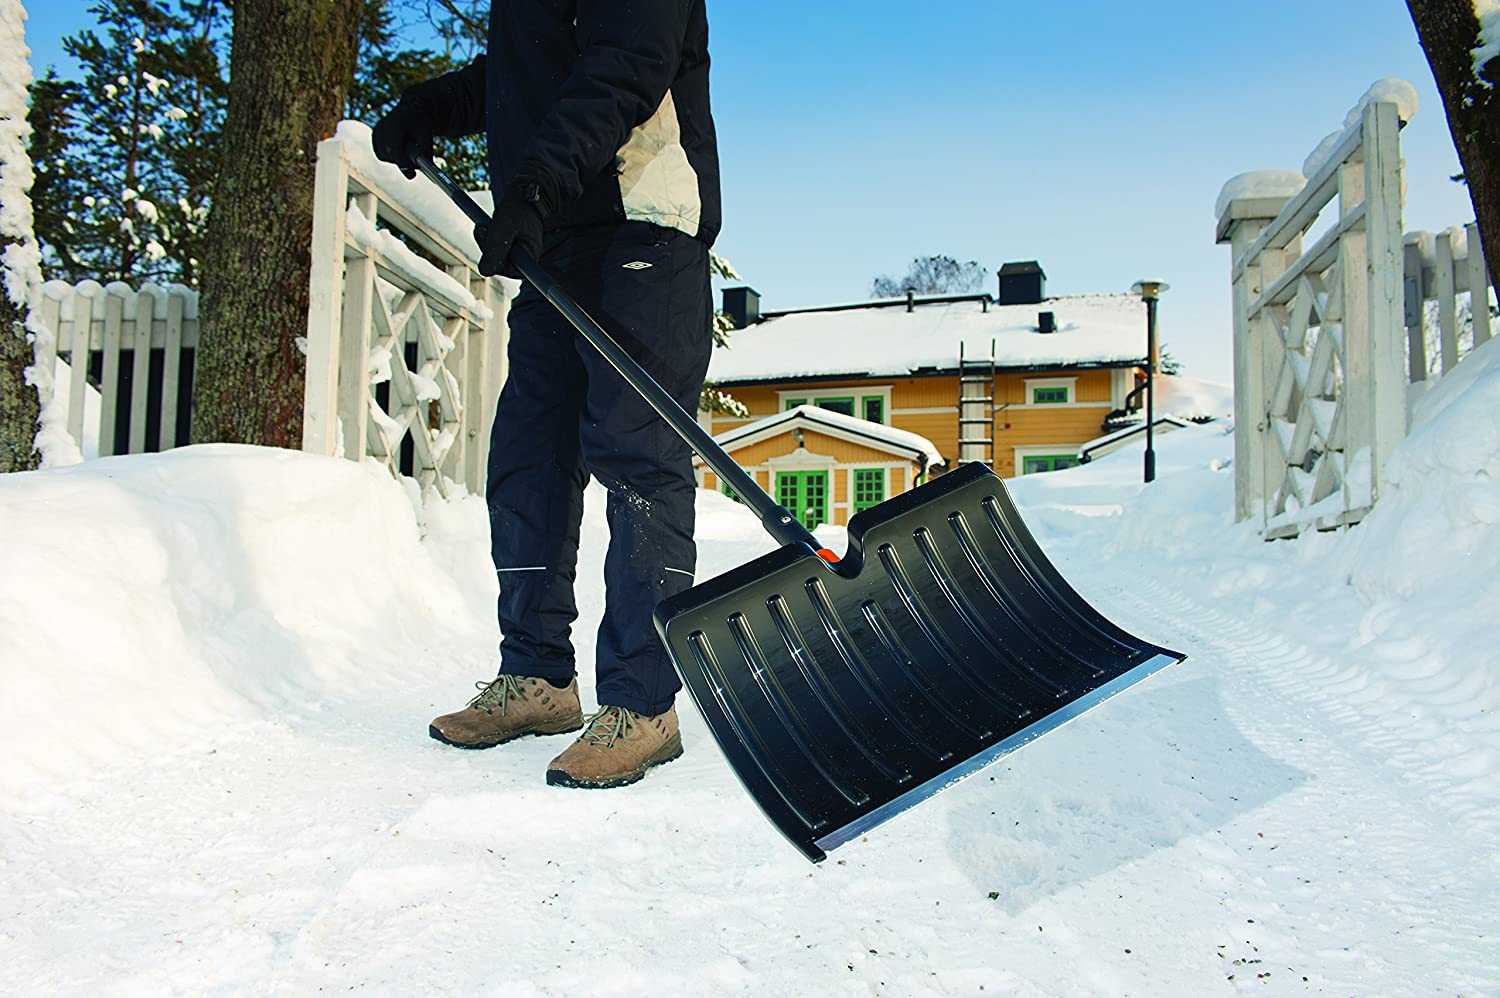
x=976, y=408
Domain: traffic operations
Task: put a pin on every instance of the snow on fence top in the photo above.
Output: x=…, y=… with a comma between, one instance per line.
x=420, y=197
x=67, y=294
x=884, y=339
x=1389, y=90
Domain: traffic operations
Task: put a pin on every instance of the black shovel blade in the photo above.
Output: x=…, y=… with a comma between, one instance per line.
x=844, y=694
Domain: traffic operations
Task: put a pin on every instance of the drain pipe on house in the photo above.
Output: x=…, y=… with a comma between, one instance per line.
x=1150, y=292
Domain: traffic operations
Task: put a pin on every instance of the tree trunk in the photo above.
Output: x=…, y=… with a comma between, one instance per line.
x=291, y=65
x=1449, y=31
x=20, y=406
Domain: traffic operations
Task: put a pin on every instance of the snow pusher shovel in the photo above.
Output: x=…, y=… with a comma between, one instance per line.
x=844, y=690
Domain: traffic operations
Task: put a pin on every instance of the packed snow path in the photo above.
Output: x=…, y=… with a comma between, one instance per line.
x=1246, y=821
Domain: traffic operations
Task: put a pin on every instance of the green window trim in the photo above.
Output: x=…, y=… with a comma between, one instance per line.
x=1050, y=395
x=869, y=487
x=1034, y=463
x=872, y=408
x=791, y=404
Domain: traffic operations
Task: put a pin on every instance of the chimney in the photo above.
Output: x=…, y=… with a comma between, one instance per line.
x=1046, y=322
x=742, y=305
x=911, y=300
x=1022, y=282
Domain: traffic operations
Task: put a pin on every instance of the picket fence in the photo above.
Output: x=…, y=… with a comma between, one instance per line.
x=1327, y=338
x=405, y=339
x=135, y=348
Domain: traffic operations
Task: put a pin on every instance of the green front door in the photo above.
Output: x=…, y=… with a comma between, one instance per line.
x=805, y=495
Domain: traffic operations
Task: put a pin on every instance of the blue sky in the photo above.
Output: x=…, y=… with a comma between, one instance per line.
x=1091, y=136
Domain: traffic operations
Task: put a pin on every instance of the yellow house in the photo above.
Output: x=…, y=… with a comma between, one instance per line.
x=1020, y=382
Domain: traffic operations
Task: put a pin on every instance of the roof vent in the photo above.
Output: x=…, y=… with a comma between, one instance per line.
x=911, y=300
x=1046, y=322
x=1022, y=282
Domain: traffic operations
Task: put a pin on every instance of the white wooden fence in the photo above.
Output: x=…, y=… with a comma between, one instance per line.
x=405, y=340
x=1320, y=359
x=136, y=349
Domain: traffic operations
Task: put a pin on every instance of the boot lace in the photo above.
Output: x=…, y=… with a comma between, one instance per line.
x=608, y=726
x=497, y=692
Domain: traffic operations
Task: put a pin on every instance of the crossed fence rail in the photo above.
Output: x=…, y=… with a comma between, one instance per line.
x=405, y=340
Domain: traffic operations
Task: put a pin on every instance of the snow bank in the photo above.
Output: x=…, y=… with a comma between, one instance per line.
x=1390, y=89
x=145, y=600
x=1259, y=184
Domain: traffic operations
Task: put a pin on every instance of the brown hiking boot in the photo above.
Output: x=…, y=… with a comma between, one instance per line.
x=508, y=707
x=617, y=748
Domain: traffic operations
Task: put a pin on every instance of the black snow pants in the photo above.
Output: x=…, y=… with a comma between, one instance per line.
x=565, y=414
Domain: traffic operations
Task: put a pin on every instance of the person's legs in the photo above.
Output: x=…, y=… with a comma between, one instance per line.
x=535, y=492
x=661, y=315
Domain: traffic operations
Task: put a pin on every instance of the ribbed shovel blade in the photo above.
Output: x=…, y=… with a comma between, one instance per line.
x=843, y=695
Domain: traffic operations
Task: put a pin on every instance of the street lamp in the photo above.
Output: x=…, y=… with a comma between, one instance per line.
x=1150, y=291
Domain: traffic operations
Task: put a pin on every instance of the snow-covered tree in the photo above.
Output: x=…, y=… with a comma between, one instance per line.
x=1461, y=39
x=127, y=150
x=29, y=430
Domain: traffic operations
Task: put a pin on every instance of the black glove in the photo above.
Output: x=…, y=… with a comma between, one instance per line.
x=403, y=130
x=451, y=106
x=517, y=225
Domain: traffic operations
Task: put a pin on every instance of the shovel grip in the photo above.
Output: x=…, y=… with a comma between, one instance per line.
x=777, y=521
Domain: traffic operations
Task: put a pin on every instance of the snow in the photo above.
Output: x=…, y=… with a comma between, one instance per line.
x=1488, y=13
x=220, y=663
x=420, y=197
x=402, y=259
x=1390, y=90
x=913, y=442
x=889, y=341
x=1259, y=184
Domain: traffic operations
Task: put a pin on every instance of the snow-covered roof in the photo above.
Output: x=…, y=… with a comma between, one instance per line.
x=884, y=339
x=1125, y=432
x=825, y=420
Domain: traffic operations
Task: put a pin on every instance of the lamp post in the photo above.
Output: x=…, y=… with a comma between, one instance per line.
x=1150, y=291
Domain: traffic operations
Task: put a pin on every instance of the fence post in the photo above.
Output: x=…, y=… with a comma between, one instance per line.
x=353, y=356
x=171, y=372
x=1243, y=221
x=325, y=299
x=1479, y=286
x=1378, y=353
x=1447, y=299
x=79, y=347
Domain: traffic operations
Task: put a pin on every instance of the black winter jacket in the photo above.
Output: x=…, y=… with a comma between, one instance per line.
x=603, y=104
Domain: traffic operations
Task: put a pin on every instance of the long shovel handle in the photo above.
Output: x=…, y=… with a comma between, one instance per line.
x=779, y=523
